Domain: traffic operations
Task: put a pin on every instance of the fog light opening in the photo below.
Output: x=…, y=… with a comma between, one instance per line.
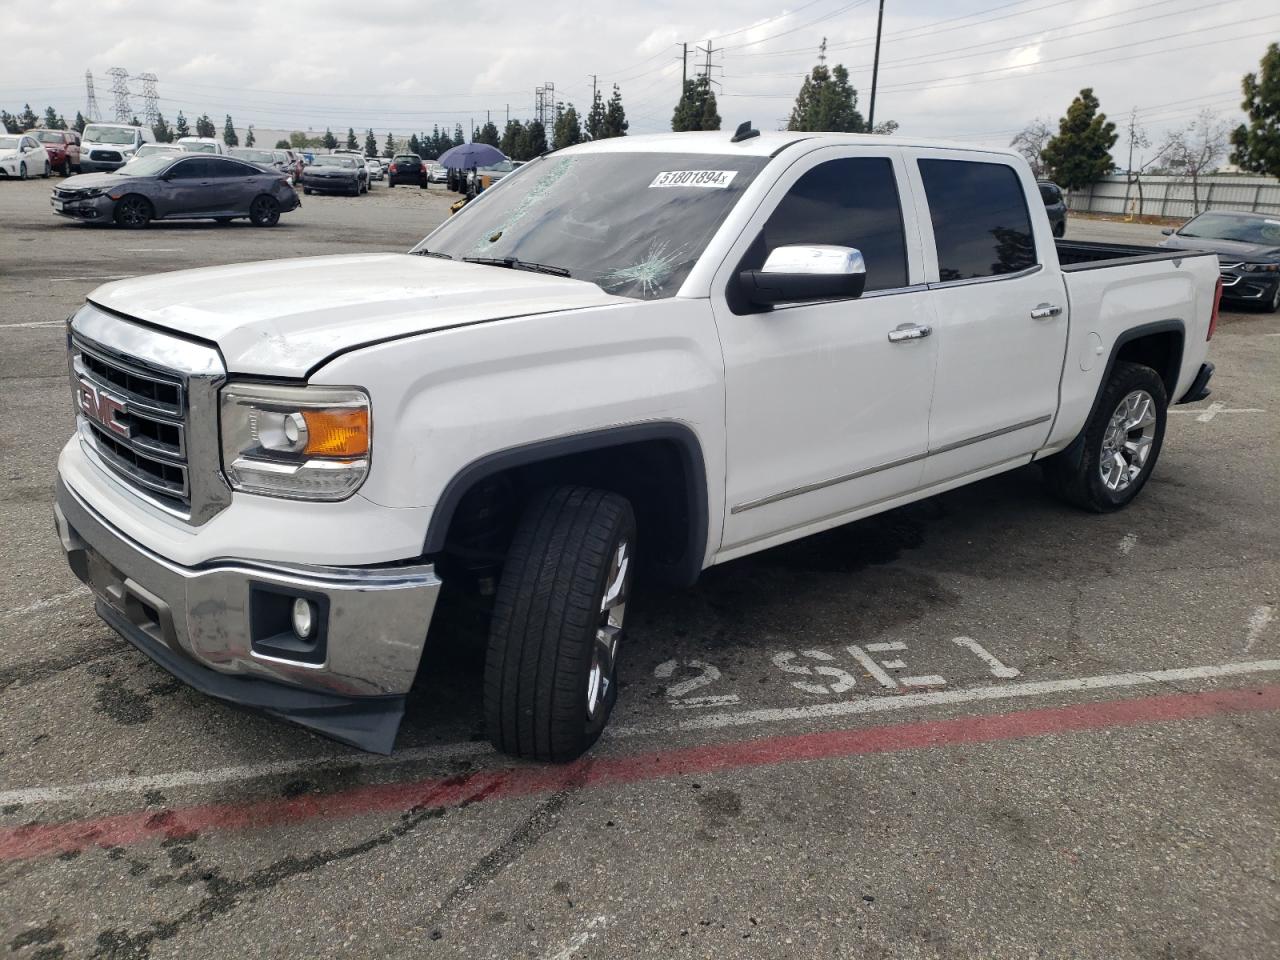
x=304, y=619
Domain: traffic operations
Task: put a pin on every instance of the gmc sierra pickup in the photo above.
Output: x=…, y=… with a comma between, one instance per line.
x=660, y=352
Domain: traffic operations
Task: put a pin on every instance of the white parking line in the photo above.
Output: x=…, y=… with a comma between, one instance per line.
x=113, y=276
x=842, y=708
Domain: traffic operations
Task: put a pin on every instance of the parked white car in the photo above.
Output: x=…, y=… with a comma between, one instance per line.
x=376, y=169
x=106, y=147
x=202, y=145
x=22, y=156
x=668, y=350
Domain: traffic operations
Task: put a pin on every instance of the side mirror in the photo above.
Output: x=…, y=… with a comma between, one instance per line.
x=799, y=273
x=1167, y=231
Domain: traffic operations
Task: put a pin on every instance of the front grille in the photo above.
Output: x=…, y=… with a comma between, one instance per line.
x=141, y=436
x=107, y=156
x=62, y=193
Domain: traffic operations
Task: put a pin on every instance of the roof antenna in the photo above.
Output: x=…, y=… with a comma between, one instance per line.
x=744, y=132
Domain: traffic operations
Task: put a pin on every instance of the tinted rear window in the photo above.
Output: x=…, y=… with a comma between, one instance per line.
x=980, y=221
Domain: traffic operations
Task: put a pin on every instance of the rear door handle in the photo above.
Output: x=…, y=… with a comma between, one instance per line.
x=1045, y=311
x=909, y=331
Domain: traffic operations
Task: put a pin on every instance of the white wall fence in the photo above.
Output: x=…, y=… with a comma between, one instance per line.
x=1173, y=196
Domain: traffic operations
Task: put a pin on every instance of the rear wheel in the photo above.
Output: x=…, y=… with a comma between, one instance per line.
x=66, y=168
x=391, y=184
x=551, y=668
x=264, y=211
x=47, y=170
x=1120, y=443
x=307, y=191
x=1060, y=229
x=133, y=212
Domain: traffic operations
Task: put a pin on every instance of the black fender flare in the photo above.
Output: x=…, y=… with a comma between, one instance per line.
x=680, y=434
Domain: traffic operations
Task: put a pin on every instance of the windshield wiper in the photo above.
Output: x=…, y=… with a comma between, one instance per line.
x=430, y=253
x=511, y=263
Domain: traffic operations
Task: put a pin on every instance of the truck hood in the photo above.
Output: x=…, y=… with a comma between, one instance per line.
x=286, y=317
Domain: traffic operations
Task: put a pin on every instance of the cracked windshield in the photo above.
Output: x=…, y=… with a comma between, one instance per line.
x=632, y=223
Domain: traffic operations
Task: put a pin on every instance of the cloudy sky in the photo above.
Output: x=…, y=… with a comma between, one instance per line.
x=976, y=70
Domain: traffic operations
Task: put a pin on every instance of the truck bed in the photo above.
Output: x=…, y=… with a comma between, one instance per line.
x=1076, y=255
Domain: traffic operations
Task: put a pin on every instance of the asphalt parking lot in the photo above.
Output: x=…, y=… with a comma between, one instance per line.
x=985, y=725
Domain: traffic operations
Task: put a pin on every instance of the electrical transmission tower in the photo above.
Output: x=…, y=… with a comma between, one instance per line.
x=545, y=102
x=120, y=91
x=150, y=99
x=91, y=111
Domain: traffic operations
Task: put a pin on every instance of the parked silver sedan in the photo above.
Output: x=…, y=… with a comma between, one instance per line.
x=176, y=187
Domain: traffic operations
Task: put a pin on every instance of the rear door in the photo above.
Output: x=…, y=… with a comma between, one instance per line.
x=1001, y=312
x=235, y=184
x=824, y=413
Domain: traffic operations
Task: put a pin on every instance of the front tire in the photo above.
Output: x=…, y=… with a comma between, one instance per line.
x=133, y=212
x=1274, y=305
x=264, y=211
x=22, y=171
x=1119, y=446
x=551, y=667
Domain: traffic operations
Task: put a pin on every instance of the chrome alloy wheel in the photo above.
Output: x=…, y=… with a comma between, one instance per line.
x=613, y=608
x=1127, y=443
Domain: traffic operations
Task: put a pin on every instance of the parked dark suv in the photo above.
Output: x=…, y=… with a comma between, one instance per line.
x=407, y=168
x=1055, y=205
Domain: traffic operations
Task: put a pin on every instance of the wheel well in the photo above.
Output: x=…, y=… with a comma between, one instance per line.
x=1161, y=351
x=657, y=467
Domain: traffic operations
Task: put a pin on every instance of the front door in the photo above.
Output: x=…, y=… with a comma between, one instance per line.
x=825, y=414
x=1001, y=327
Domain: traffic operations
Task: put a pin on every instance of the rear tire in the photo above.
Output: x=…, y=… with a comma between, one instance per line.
x=264, y=211
x=307, y=191
x=1119, y=446
x=47, y=170
x=391, y=184
x=551, y=668
x=133, y=212
x=1060, y=229
x=66, y=168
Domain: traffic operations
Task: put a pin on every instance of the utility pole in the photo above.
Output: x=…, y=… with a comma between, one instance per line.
x=684, y=68
x=875, y=71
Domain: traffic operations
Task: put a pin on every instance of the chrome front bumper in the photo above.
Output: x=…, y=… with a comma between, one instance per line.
x=222, y=627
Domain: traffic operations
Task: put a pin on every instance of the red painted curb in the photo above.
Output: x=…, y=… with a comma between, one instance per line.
x=37, y=840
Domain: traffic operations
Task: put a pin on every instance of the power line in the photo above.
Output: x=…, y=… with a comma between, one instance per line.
x=803, y=26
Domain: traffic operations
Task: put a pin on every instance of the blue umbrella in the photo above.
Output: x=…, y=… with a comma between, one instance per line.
x=471, y=155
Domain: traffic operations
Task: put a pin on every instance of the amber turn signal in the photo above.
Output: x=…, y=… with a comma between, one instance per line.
x=337, y=432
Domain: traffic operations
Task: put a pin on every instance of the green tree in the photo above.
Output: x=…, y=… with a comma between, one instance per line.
x=371, y=144
x=1080, y=153
x=80, y=123
x=180, y=127
x=391, y=147
x=51, y=120
x=458, y=138
x=535, y=140
x=568, y=128
x=27, y=119
x=249, y=138
x=487, y=134
x=300, y=141
x=135, y=121
x=161, y=129
x=515, y=140
x=329, y=141
x=1257, y=145
x=595, y=117
x=229, y=136
x=352, y=142
x=205, y=127
x=283, y=145
x=9, y=122
x=615, y=117
x=415, y=145
x=697, y=108
x=826, y=100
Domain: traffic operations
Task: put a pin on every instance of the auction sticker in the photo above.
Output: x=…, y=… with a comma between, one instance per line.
x=714, y=179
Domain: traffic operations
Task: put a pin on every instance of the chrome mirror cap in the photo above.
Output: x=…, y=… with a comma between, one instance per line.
x=822, y=259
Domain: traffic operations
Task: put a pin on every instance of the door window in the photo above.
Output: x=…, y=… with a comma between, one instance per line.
x=849, y=202
x=193, y=169
x=980, y=220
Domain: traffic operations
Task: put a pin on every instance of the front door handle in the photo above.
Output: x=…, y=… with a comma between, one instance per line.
x=1045, y=311
x=909, y=331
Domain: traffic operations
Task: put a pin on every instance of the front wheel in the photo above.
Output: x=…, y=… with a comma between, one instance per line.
x=1274, y=305
x=551, y=668
x=264, y=211
x=22, y=171
x=1120, y=444
x=133, y=212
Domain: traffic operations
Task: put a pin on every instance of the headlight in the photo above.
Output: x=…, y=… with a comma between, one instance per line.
x=1262, y=267
x=301, y=443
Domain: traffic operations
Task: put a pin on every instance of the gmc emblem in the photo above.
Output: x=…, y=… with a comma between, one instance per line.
x=102, y=408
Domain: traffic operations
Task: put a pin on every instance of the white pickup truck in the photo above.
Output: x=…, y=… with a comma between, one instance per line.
x=655, y=353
